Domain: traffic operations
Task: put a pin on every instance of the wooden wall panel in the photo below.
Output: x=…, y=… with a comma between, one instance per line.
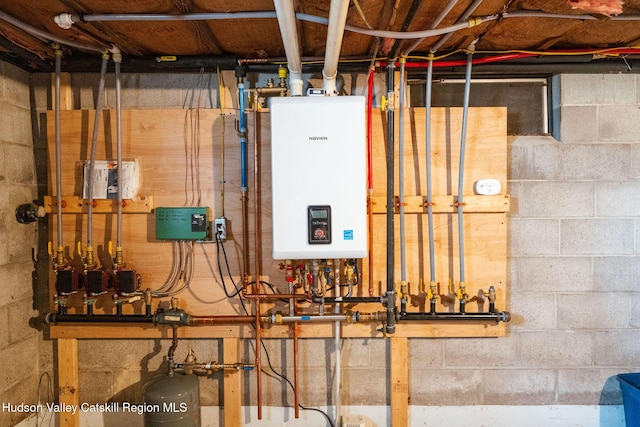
x=160, y=140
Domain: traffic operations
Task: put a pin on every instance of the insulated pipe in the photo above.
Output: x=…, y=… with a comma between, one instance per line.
x=92, y=161
x=391, y=292
x=337, y=20
x=285, y=12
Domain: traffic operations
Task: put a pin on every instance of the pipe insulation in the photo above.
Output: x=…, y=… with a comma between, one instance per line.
x=286, y=15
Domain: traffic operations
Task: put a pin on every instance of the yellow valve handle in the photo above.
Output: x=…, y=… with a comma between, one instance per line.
x=79, y=248
x=383, y=103
x=110, y=248
x=50, y=248
x=429, y=294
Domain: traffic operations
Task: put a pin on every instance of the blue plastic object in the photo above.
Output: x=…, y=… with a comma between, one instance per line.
x=630, y=387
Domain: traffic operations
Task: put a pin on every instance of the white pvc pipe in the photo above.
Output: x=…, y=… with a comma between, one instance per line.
x=289, y=32
x=337, y=22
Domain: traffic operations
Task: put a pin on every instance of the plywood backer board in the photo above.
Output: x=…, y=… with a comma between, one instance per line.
x=163, y=142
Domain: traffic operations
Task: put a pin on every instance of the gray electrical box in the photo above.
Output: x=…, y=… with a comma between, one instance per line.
x=186, y=223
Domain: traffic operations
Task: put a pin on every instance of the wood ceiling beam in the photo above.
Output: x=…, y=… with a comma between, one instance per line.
x=123, y=43
x=202, y=30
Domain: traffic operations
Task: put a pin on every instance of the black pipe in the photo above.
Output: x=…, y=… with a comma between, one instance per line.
x=413, y=9
x=391, y=291
x=56, y=317
x=148, y=64
x=503, y=316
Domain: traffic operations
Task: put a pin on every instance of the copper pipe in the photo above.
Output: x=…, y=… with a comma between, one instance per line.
x=370, y=213
x=210, y=320
x=276, y=296
x=256, y=200
x=258, y=359
x=296, y=400
x=245, y=241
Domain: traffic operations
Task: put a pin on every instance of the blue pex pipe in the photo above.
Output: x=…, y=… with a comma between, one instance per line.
x=243, y=138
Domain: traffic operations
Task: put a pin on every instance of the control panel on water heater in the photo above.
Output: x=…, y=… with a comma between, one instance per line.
x=319, y=224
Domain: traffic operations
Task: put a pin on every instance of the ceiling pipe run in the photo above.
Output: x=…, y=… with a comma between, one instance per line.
x=337, y=22
x=288, y=30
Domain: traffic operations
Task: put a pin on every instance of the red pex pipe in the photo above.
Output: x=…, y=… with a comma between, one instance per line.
x=518, y=55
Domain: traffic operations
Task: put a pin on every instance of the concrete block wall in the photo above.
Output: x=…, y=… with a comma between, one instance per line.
x=574, y=250
x=573, y=285
x=20, y=344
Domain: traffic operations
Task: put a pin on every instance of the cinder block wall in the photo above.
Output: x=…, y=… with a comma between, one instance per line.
x=19, y=342
x=574, y=275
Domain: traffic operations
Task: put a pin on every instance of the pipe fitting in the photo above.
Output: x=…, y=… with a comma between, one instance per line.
x=116, y=53
x=65, y=20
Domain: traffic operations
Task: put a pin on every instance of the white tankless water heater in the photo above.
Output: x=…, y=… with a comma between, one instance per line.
x=318, y=167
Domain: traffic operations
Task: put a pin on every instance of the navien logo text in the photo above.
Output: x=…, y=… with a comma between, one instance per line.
x=318, y=138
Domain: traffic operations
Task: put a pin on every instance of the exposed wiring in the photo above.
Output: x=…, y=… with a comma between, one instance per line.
x=49, y=396
x=239, y=295
x=191, y=134
x=238, y=290
x=221, y=99
x=306, y=408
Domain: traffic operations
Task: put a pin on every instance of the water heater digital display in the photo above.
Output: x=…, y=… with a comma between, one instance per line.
x=318, y=167
x=319, y=225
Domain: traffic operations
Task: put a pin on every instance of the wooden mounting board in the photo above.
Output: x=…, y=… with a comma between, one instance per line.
x=162, y=142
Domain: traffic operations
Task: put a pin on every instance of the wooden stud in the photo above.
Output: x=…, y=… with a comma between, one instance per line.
x=232, y=384
x=67, y=370
x=399, y=373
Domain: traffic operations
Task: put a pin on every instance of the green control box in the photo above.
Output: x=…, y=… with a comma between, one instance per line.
x=181, y=223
